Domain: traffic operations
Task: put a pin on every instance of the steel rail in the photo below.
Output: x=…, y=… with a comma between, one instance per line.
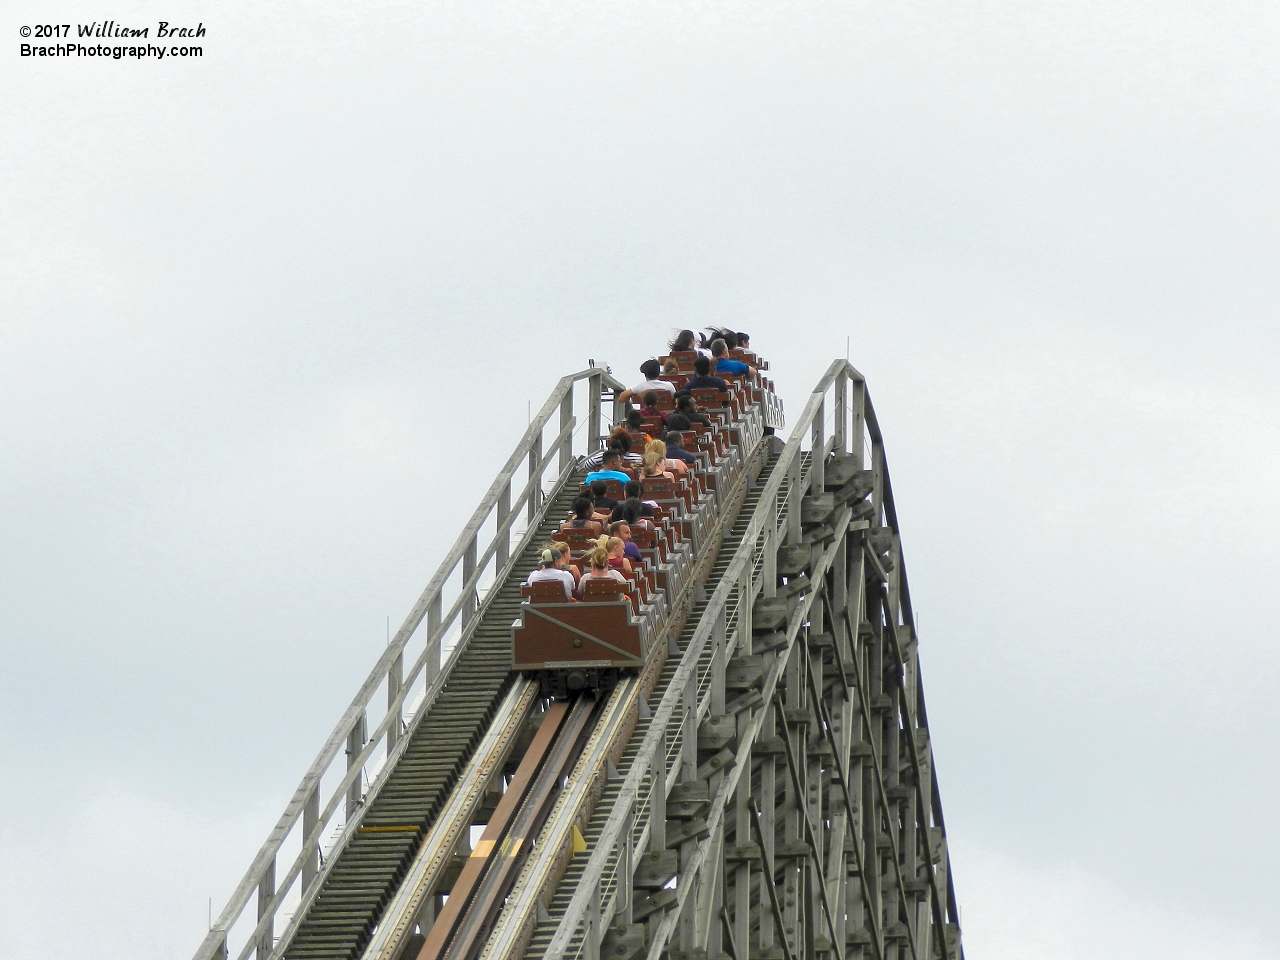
x=532, y=815
x=303, y=806
x=507, y=933
x=447, y=920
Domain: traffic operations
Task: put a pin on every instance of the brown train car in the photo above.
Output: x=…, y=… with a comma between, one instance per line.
x=572, y=647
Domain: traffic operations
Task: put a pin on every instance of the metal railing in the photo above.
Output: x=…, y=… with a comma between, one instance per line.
x=354, y=761
x=838, y=417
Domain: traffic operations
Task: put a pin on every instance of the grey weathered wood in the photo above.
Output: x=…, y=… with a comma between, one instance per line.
x=395, y=679
x=356, y=740
x=311, y=851
x=266, y=891
x=850, y=828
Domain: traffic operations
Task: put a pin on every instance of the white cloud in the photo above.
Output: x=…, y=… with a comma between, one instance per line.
x=269, y=322
x=1011, y=910
x=118, y=875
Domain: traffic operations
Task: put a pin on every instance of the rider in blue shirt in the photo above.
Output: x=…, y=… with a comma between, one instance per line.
x=609, y=468
x=734, y=368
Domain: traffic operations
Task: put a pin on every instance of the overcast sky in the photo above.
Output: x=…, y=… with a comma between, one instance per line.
x=270, y=319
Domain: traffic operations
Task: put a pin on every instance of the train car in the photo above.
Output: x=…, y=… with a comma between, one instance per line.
x=587, y=644
x=577, y=646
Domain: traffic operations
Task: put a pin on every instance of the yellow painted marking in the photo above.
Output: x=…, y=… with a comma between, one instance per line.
x=579, y=841
x=483, y=849
x=387, y=830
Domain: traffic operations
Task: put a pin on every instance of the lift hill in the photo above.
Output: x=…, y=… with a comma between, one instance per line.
x=763, y=786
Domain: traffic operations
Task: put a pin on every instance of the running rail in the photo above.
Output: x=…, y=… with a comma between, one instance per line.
x=866, y=868
x=450, y=606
